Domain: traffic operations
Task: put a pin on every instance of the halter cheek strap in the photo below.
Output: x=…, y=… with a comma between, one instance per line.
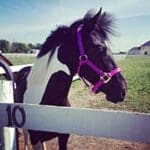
x=105, y=77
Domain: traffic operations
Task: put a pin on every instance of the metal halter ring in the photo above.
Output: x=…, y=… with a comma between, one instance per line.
x=106, y=78
x=83, y=57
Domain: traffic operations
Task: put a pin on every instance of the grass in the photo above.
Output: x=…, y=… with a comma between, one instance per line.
x=21, y=59
x=136, y=70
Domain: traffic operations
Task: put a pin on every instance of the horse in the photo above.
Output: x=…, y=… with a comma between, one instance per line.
x=79, y=48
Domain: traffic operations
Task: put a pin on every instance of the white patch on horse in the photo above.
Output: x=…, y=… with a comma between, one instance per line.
x=39, y=76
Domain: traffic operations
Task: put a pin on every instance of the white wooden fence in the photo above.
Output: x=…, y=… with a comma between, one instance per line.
x=7, y=135
x=100, y=123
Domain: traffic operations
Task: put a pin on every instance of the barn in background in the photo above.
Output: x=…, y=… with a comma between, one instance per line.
x=144, y=49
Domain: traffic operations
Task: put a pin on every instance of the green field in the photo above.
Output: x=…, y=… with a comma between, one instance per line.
x=137, y=73
x=136, y=70
x=21, y=59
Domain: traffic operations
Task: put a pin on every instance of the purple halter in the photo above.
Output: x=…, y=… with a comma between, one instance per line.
x=105, y=77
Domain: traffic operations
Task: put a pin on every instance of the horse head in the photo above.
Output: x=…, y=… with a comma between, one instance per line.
x=95, y=60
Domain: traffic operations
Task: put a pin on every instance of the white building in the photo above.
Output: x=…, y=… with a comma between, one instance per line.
x=33, y=51
x=144, y=49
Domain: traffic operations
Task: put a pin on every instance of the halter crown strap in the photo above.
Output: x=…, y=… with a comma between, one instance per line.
x=79, y=38
x=83, y=59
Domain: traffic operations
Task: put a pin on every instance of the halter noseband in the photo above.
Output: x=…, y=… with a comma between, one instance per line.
x=105, y=77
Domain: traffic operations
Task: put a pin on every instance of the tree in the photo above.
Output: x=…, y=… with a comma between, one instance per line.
x=30, y=46
x=19, y=47
x=4, y=46
x=38, y=46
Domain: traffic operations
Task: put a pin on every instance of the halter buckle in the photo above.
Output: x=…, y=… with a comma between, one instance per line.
x=105, y=78
x=83, y=57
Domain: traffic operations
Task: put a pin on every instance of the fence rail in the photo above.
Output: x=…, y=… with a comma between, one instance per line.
x=15, y=68
x=99, y=123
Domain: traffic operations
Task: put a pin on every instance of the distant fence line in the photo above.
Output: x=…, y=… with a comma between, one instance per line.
x=17, y=68
x=20, y=54
x=117, y=57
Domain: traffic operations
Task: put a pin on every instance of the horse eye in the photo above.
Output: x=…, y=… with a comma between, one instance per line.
x=101, y=48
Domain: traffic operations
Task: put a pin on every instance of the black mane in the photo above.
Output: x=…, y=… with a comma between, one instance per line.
x=103, y=25
x=53, y=40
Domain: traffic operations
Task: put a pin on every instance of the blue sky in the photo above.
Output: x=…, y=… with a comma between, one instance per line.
x=31, y=21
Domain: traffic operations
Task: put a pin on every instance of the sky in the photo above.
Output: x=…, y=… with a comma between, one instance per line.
x=31, y=21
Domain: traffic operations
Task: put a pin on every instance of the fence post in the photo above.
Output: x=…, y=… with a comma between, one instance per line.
x=7, y=135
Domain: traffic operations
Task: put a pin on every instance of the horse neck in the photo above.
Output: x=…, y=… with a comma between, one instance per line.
x=70, y=54
x=48, y=83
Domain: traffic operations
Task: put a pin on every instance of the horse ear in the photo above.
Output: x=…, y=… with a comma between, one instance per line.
x=95, y=18
x=92, y=21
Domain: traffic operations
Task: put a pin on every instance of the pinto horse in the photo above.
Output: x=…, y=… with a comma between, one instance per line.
x=79, y=48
